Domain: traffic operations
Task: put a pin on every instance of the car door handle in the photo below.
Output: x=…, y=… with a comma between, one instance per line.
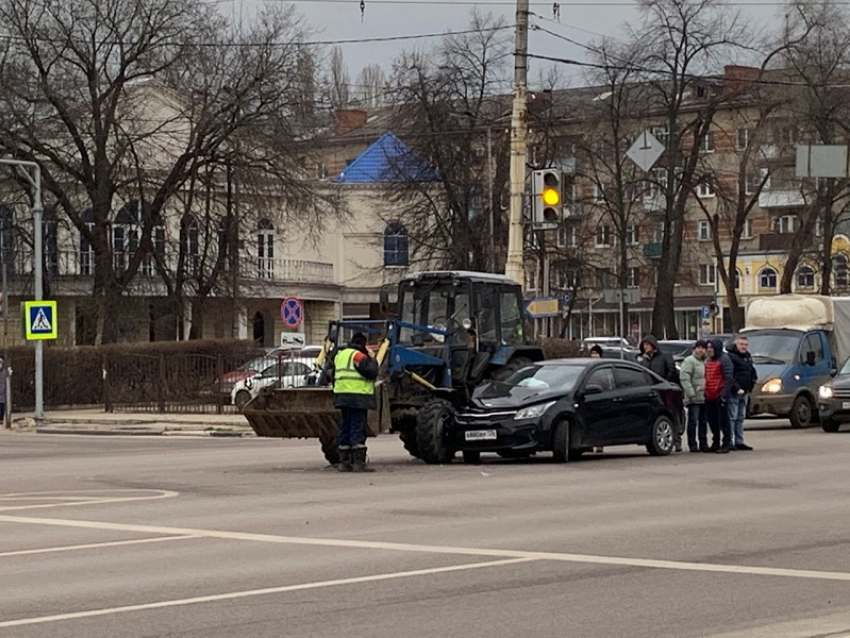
x=652, y=393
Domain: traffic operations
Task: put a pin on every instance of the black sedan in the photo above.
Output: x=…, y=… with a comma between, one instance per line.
x=569, y=406
x=834, y=400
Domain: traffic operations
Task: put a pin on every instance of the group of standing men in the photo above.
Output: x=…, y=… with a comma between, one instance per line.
x=716, y=386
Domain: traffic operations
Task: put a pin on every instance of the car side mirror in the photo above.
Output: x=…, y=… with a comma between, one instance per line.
x=593, y=389
x=833, y=372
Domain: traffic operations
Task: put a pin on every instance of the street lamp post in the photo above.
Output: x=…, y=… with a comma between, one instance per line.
x=32, y=173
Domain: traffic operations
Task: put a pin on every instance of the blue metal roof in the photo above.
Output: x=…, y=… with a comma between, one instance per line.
x=388, y=160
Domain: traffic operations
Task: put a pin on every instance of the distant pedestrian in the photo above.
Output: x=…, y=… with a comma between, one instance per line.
x=719, y=380
x=596, y=352
x=4, y=379
x=354, y=374
x=745, y=380
x=662, y=364
x=692, y=377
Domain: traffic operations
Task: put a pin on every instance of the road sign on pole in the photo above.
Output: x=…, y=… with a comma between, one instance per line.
x=40, y=320
x=645, y=151
x=292, y=312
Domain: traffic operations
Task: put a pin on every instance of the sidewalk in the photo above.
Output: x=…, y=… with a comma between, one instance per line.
x=96, y=421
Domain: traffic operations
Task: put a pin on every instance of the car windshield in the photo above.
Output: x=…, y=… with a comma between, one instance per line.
x=441, y=306
x=845, y=369
x=774, y=348
x=545, y=377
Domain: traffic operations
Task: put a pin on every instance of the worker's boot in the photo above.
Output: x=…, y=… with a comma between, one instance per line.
x=359, y=460
x=345, y=460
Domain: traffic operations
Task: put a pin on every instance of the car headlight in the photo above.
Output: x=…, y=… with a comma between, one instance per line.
x=534, y=411
x=825, y=392
x=774, y=386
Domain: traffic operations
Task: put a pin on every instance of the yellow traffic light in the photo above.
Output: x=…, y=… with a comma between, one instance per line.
x=551, y=197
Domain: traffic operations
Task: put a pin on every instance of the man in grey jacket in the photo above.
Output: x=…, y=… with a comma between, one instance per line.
x=692, y=376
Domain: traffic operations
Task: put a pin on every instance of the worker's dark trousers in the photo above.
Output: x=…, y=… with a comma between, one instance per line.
x=352, y=428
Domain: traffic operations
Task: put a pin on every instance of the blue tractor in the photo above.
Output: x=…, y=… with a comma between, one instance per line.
x=449, y=331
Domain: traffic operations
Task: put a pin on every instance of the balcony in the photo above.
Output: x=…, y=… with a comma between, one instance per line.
x=81, y=264
x=775, y=241
x=789, y=197
x=652, y=250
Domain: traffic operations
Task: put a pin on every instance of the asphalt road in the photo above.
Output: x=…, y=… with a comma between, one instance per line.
x=153, y=536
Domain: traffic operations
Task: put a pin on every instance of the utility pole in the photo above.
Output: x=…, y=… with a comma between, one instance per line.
x=34, y=179
x=519, y=151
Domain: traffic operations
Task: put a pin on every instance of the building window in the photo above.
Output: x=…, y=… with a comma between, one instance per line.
x=738, y=279
x=396, y=252
x=747, y=229
x=321, y=170
x=657, y=184
x=661, y=133
x=840, y=272
x=784, y=225
x=707, y=145
x=603, y=235
x=632, y=235
x=658, y=232
x=567, y=236
x=742, y=139
x=86, y=250
x=767, y=278
x=601, y=192
x=707, y=274
x=51, y=246
x=189, y=245
x=265, y=249
x=602, y=277
x=806, y=277
x=531, y=279
x=633, y=278
x=704, y=230
x=819, y=227
x=125, y=234
x=705, y=187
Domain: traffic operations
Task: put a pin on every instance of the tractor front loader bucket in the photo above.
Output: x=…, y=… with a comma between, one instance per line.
x=306, y=413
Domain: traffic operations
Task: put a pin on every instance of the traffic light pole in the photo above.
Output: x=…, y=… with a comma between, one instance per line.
x=32, y=173
x=514, y=267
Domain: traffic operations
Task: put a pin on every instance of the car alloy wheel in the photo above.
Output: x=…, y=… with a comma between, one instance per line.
x=661, y=442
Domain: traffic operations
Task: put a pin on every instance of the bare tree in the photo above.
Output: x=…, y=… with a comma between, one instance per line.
x=371, y=86
x=677, y=44
x=130, y=99
x=450, y=107
x=339, y=82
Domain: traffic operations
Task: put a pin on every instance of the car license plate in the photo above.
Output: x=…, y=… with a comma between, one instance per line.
x=845, y=405
x=481, y=435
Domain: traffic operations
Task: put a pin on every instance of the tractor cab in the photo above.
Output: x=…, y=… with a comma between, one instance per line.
x=471, y=321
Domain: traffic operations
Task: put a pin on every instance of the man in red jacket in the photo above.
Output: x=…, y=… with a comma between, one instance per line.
x=719, y=380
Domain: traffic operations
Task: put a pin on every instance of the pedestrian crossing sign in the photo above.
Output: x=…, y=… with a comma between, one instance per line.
x=40, y=320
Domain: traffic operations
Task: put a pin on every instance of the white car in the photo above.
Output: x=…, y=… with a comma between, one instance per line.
x=284, y=373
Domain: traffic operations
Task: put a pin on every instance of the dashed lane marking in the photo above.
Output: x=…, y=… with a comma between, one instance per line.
x=71, y=548
x=255, y=592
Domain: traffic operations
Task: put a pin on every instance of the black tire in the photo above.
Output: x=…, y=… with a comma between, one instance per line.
x=661, y=437
x=802, y=412
x=500, y=374
x=431, y=424
x=242, y=397
x=472, y=457
x=561, y=451
x=404, y=422
x=829, y=425
x=330, y=450
x=408, y=439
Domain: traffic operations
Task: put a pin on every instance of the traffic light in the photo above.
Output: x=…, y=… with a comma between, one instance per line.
x=547, y=199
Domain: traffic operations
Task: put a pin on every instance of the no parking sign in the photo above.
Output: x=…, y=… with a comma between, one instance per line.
x=292, y=312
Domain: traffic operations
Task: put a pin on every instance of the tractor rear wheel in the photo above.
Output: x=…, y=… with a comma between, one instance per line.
x=431, y=429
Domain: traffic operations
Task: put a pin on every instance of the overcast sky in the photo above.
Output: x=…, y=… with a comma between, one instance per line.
x=583, y=21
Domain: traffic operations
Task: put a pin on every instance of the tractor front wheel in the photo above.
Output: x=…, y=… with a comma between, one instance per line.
x=432, y=424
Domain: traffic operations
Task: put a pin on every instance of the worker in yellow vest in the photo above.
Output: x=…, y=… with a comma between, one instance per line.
x=354, y=374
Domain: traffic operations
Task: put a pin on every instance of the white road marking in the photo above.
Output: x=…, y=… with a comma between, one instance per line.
x=255, y=592
x=80, y=499
x=649, y=563
x=70, y=548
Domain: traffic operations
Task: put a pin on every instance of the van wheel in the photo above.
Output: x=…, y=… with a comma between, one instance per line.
x=242, y=397
x=802, y=412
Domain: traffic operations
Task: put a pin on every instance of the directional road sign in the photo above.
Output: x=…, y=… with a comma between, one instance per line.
x=40, y=321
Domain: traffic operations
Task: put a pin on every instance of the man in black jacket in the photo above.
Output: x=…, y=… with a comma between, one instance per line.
x=659, y=362
x=745, y=380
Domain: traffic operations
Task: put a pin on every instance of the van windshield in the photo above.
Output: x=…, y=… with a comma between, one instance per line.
x=774, y=348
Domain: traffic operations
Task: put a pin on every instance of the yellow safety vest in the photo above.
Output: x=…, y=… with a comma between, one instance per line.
x=346, y=378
